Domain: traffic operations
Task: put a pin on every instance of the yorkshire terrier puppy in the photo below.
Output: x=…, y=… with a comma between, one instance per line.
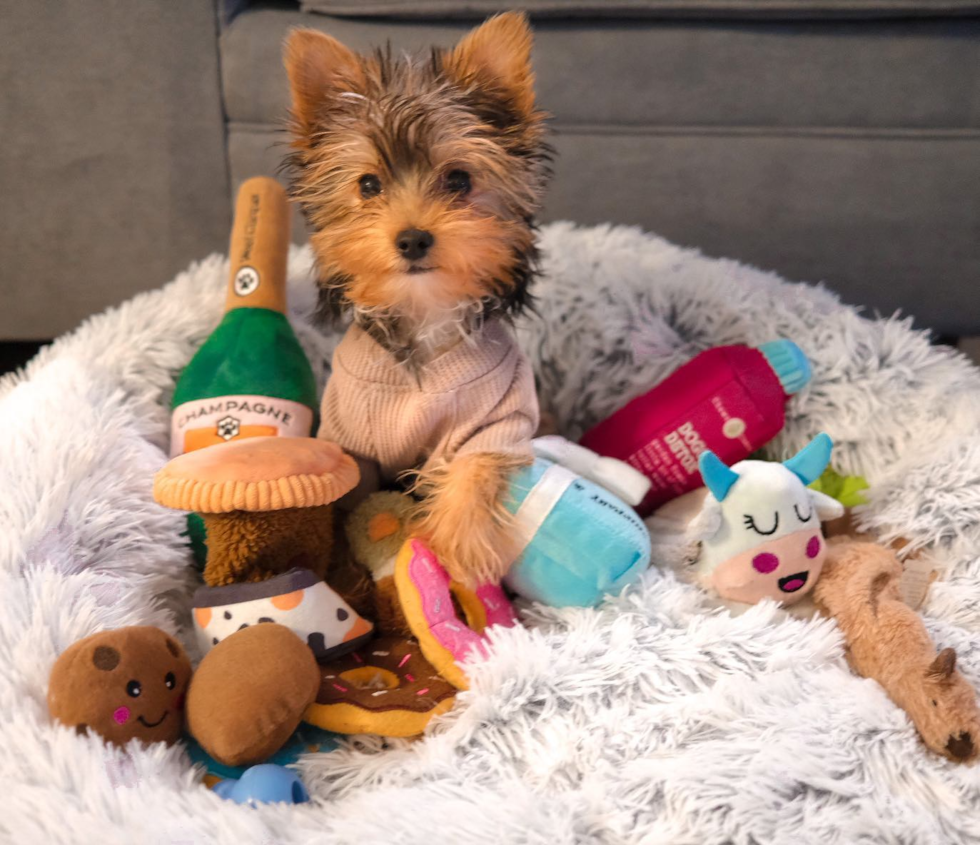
x=420, y=177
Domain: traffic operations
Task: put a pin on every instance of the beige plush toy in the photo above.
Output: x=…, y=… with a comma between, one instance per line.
x=250, y=692
x=886, y=640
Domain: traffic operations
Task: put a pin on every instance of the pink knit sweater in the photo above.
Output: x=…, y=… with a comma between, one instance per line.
x=478, y=396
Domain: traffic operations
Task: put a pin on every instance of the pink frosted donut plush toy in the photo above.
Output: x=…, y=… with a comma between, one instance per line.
x=413, y=593
x=426, y=593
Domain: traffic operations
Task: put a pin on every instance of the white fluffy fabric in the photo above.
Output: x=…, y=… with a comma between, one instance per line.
x=652, y=719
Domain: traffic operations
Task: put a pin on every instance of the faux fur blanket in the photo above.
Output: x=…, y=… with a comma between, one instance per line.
x=652, y=719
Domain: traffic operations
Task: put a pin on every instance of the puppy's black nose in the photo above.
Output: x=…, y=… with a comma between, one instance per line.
x=413, y=244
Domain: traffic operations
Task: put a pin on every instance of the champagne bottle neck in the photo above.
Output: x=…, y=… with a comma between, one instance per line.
x=259, y=247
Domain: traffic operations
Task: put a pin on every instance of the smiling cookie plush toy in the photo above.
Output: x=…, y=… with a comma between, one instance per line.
x=128, y=683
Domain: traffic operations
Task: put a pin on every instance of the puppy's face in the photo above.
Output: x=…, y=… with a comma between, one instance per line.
x=419, y=176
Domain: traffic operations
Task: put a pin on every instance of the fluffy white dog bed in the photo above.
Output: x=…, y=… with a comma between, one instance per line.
x=652, y=719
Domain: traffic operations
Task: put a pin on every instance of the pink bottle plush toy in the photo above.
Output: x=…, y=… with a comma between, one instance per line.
x=730, y=399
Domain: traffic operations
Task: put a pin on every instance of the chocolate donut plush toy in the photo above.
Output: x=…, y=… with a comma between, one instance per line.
x=396, y=684
x=387, y=688
x=124, y=684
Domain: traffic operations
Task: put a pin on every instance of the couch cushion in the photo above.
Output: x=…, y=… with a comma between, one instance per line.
x=113, y=171
x=911, y=74
x=887, y=219
x=442, y=9
x=843, y=151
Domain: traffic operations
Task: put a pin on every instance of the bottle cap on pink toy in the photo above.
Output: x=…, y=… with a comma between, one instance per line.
x=789, y=363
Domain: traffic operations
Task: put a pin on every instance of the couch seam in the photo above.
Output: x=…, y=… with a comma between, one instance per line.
x=830, y=132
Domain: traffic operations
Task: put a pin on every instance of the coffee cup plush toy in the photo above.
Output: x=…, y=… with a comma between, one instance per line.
x=128, y=683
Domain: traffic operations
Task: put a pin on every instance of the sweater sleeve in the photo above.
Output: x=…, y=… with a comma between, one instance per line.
x=511, y=421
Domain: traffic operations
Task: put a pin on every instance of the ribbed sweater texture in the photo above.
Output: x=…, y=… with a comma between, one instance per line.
x=478, y=396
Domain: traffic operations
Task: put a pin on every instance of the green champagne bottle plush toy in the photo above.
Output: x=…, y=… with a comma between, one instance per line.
x=251, y=377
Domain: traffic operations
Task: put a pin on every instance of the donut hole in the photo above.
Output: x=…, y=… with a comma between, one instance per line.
x=468, y=607
x=370, y=678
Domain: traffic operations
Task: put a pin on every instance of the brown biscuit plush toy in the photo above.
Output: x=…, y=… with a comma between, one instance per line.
x=249, y=693
x=122, y=684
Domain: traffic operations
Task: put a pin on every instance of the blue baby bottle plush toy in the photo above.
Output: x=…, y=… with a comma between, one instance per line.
x=579, y=535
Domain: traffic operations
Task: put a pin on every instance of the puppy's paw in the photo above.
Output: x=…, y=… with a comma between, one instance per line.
x=463, y=519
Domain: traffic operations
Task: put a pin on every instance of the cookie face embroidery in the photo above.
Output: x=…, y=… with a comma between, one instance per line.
x=122, y=684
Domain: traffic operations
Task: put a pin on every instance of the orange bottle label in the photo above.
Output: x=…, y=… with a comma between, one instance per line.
x=207, y=422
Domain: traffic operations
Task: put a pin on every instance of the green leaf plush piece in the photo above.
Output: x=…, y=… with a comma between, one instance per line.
x=846, y=489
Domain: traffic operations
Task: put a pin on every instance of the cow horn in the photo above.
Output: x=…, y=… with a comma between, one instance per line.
x=809, y=463
x=717, y=477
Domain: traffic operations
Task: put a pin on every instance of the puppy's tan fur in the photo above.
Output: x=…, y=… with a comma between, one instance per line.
x=462, y=515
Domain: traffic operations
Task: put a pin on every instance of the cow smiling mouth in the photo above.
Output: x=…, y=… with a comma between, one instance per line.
x=153, y=724
x=794, y=582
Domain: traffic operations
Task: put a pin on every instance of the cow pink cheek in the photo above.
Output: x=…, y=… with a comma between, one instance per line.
x=120, y=715
x=813, y=547
x=765, y=562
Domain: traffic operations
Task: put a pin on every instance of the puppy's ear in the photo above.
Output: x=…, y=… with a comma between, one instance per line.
x=497, y=56
x=319, y=68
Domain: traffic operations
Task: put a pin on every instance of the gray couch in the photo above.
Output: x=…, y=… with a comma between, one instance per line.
x=828, y=140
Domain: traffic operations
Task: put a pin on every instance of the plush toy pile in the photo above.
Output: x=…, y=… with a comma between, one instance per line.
x=646, y=718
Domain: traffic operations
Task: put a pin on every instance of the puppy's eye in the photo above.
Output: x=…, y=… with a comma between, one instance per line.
x=800, y=516
x=133, y=689
x=751, y=524
x=459, y=182
x=370, y=185
x=170, y=681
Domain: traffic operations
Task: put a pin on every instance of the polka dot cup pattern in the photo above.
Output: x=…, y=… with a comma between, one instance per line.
x=297, y=599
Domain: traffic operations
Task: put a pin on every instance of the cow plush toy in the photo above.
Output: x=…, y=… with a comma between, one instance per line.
x=755, y=533
x=760, y=526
